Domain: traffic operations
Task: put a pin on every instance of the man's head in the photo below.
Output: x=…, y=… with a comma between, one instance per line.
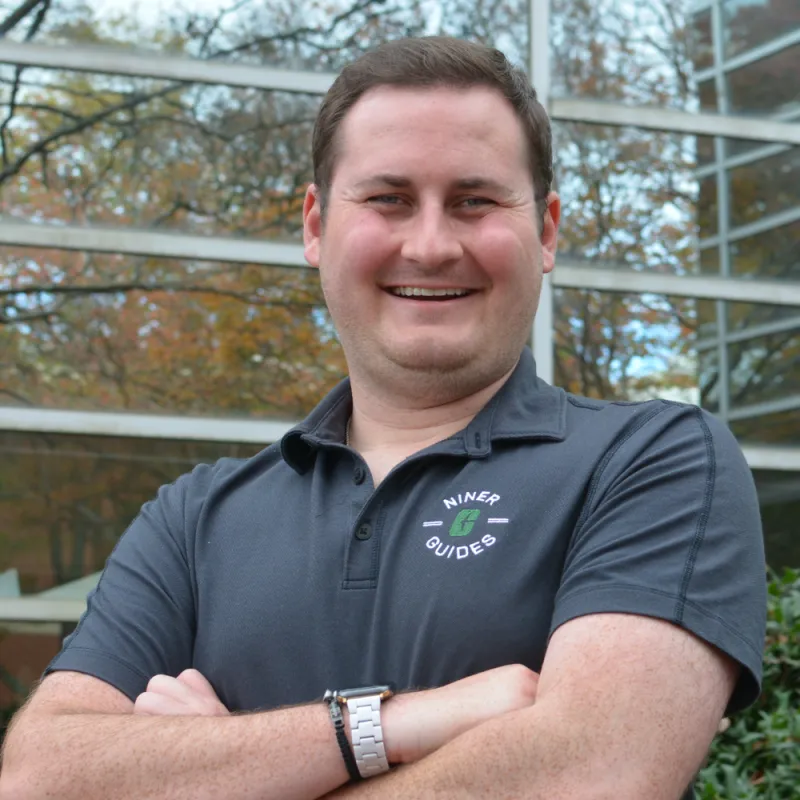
x=431, y=218
x=425, y=63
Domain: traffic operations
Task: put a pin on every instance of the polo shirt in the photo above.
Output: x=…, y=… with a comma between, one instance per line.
x=288, y=573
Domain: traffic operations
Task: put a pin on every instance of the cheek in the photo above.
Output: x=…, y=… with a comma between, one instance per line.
x=361, y=247
x=506, y=254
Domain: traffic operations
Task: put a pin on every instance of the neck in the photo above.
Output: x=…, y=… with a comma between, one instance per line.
x=384, y=424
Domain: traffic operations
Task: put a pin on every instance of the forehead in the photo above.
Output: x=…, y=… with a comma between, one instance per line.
x=407, y=130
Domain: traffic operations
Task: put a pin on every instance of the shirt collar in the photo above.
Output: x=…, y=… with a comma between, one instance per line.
x=525, y=407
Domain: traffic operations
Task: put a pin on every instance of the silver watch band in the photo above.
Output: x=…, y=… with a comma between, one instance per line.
x=367, y=735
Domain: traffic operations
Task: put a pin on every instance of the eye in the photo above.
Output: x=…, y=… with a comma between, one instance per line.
x=476, y=202
x=385, y=199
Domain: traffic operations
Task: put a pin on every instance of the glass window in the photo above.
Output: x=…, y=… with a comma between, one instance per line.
x=67, y=499
x=779, y=498
x=768, y=86
x=707, y=207
x=106, y=150
x=626, y=346
x=708, y=369
x=765, y=368
x=773, y=254
x=638, y=53
x=765, y=187
x=709, y=261
x=703, y=41
x=741, y=316
x=630, y=197
x=309, y=35
x=707, y=94
x=780, y=428
x=749, y=23
x=106, y=332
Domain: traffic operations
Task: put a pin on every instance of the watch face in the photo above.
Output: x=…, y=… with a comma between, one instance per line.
x=385, y=692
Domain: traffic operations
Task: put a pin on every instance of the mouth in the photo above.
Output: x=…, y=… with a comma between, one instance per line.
x=421, y=293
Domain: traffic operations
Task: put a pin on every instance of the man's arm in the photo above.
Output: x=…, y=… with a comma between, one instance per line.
x=80, y=738
x=626, y=708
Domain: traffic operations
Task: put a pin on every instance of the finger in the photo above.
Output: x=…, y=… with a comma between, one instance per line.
x=170, y=687
x=159, y=705
x=197, y=682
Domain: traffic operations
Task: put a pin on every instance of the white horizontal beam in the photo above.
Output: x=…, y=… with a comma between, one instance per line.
x=113, y=61
x=664, y=119
x=784, y=459
x=150, y=426
x=35, y=609
x=152, y=243
x=574, y=276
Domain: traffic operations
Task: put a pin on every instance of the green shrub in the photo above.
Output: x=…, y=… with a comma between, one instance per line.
x=759, y=755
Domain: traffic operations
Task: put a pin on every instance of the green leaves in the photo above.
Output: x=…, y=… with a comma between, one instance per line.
x=759, y=755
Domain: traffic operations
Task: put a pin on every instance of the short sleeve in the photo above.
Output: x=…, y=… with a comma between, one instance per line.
x=140, y=619
x=671, y=529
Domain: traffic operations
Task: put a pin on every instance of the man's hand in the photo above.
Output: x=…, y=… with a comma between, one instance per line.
x=190, y=694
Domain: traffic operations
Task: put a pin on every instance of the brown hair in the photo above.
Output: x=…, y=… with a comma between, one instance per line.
x=429, y=62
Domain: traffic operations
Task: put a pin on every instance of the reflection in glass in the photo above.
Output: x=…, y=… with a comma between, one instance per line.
x=67, y=499
x=708, y=367
x=773, y=254
x=703, y=45
x=768, y=86
x=743, y=316
x=630, y=197
x=707, y=94
x=106, y=332
x=637, y=53
x=781, y=428
x=626, y=346
x=105, y=150
x=707, y=208
x=312, y=35
x=779, y=498
x=749, y=23
x=764, y=368
x=765, y=187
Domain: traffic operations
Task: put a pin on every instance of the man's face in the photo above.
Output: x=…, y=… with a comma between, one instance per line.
x=429, y=251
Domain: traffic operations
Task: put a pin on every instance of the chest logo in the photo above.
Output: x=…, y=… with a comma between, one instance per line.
x=471, y=530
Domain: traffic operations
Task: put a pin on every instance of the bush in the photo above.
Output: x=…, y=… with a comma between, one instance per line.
x=759, y=755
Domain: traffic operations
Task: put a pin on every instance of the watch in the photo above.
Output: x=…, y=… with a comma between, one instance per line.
x=364, y=709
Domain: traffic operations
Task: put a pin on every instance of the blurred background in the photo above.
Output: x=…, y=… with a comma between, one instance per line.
x=155, y=311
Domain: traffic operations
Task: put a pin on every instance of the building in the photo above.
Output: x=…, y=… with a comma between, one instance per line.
x=154, y=307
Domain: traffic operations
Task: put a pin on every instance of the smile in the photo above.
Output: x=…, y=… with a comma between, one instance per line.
x=436, y=294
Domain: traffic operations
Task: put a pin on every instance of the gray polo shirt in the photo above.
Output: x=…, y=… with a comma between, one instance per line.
x=289, y=573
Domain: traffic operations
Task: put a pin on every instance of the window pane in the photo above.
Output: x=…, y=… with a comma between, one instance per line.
x=782, y=428
x=744, y=316
x=707, y=94
x=626, y=346
x=106, y=332
x=630, y=197
x=637, y=53
x=765, y=368
x=67, y=499
x=708, y=361
x=108, y=150
x=768, y=86
x=749, y=23
x=309, y=35
x=765, y=187
x=779, y=498
x=774, y=254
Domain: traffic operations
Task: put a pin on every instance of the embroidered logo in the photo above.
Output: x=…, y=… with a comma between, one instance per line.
x=468, y=530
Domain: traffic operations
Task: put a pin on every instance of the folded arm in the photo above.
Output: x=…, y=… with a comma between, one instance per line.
x=626, y=708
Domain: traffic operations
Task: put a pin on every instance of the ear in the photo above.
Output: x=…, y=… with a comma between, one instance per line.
x=549, y=237
x=312, y=225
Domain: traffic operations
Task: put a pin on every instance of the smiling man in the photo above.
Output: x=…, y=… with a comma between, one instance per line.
x=569, y=592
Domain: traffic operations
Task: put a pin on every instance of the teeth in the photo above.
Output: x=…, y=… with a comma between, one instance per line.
x=415, y=291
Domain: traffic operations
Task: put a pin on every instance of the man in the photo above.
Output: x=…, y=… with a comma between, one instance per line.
x=582, y=582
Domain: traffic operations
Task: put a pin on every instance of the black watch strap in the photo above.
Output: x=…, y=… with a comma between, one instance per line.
x=341, y=737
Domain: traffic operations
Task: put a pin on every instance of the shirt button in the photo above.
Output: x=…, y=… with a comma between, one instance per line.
x=359, y=473
x=364, y=532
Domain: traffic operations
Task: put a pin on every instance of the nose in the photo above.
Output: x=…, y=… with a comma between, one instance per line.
x=431, y=239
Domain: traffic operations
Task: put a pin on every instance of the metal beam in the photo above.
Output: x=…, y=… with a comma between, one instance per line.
x=761, y=225
x=664, y=119
x=784, y=459
x=113, y=61
x=152, y=243
x=759, y=53
x=783, y=325
x=575, y=276
x=790, y=403
x=150, y=426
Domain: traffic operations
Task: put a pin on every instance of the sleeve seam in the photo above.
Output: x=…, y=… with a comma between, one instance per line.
x=110, y=656
x=669, y=596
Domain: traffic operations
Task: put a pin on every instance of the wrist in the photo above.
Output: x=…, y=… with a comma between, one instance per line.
x=399, y=730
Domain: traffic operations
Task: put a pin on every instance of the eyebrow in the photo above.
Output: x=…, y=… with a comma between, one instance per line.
x=469, y=184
